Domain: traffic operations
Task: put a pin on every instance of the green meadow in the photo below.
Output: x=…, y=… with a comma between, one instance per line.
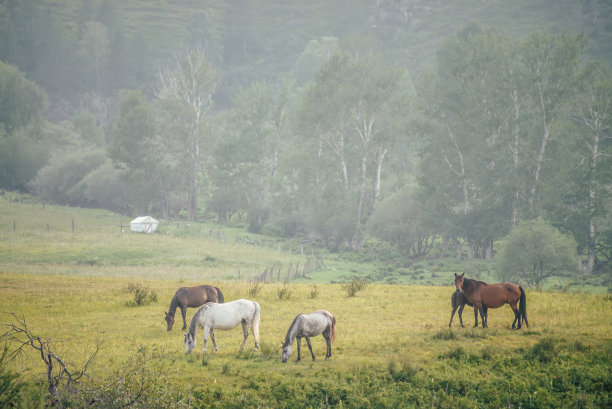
x=393, y=348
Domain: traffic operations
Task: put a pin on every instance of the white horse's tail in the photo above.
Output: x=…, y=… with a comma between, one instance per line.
x=332, y=334
x=255, y=323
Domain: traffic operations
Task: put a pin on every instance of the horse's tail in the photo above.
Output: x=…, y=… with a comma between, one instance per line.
x=454, y=302
x=523, y=307
x=332, y=331
x=220, y=298
x=255, y=322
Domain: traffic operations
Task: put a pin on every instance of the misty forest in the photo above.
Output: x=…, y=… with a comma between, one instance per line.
x=429, y=128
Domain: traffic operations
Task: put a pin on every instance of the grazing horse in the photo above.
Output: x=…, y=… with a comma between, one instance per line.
x=485, y=296
x=309, y=325
x=459, y=300
x=191, y=297
x=224, y=316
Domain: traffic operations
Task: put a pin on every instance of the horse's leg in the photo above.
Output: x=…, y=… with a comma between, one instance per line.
x=517, y=316
x=245, y=332
x=310, y=347
x=206, y=331
x=255, y=330
x=452, y=314
x=479, y=307
x=298, y=340
x=212, y=336
x=461, y=315
x=485, y=311
x=475, y=316
x=183, y=312
x=328, y=343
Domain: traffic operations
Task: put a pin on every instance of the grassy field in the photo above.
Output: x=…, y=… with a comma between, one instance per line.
x=394, y=347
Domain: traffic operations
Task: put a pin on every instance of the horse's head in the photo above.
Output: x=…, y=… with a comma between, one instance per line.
x=169, y=320
x=459, y=281
x=287, y=350
x=190, y=343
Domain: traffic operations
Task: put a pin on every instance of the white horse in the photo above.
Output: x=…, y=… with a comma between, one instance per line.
x=223, y=316
x=310, y=325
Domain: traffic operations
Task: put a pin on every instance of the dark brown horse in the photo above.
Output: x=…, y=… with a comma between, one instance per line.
x=485, y=296
x=191, y=297
x=459, y=300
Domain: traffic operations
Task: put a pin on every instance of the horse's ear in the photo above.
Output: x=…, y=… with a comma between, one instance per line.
x=462, y=274
x=455, y=275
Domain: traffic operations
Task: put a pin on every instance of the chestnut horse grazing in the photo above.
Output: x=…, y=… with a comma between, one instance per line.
x=191, y=297
x=459, y=300
x=306, y=326
x=485, y=296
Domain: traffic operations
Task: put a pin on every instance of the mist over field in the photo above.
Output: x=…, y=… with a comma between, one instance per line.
x=350, y=155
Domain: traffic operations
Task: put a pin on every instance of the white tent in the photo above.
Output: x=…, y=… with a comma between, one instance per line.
x=144, y=224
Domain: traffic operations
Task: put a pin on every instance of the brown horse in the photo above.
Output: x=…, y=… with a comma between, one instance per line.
x=459, y=300
x=485, y=296
x=191, y=297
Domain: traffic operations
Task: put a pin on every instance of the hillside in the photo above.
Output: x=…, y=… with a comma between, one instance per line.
x=46, y=238
x=256, y=40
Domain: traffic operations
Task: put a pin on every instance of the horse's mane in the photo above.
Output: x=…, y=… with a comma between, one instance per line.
x=173, y=304
x=194, y=320
x=288, y=336
x=467, y=282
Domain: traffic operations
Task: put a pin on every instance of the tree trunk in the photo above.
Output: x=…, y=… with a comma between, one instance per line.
x=382, y=152
x=591, y=239
x=464, y=182
x=540, y=158
x=515, y=160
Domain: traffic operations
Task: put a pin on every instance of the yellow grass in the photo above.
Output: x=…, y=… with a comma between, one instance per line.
x=382, y=323
x=69, y=287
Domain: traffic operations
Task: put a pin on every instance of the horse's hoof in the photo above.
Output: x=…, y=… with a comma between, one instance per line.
x=462, y=326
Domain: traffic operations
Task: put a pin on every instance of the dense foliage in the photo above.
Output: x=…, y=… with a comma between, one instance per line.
x=401, y=120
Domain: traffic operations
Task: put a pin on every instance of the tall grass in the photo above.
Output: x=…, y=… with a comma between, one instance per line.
x=393, y=345
x=395, y=323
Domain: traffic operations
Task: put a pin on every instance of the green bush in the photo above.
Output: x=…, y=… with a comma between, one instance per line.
x=141, y=295
x=254, y=288
x=284, y=293
x=353, y=287
x=314, y=292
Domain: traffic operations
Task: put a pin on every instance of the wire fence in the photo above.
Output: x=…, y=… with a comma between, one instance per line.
x=71, y=222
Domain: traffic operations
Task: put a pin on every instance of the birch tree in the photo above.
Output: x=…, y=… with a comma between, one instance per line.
x=186, y=90
x=550, y=63
x=593, y=113
x=579, y=198
x=465, y=150
x=345, y=119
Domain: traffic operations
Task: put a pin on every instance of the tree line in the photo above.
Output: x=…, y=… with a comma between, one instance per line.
x=452, y=160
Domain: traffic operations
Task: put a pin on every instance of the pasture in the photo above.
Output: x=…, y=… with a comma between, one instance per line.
x=393, y=346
